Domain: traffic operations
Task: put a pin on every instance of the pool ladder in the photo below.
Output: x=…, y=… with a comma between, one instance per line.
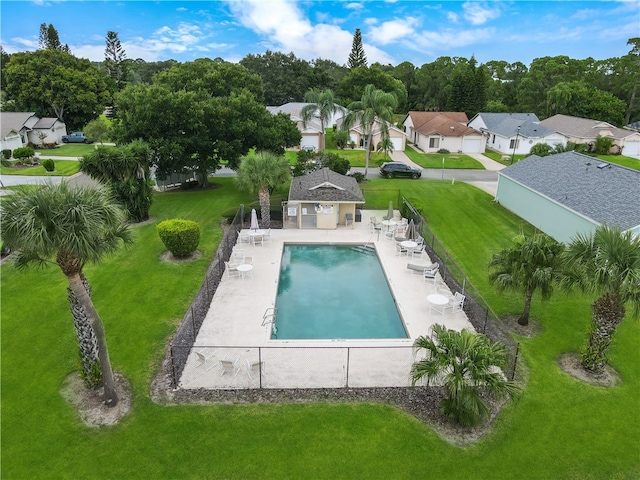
x=269, y=318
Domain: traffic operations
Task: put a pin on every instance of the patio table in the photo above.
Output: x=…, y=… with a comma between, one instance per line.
x=437, y=302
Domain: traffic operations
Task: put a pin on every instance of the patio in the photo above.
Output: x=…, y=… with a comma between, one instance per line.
x=233, y=327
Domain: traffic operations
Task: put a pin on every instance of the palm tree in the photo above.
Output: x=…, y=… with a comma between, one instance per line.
x=321, y=103
x=375, y=106
x=261, y=173
x=385, y=145
x=605, y=263
x=74, y=226
x=126, y=171
x=530, y=264
x=467, y=364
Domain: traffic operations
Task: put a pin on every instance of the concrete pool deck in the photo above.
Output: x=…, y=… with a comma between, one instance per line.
x=232, y=329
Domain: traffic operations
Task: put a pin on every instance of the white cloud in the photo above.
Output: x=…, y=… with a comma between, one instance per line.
x=281, y=24
x=478, y=13
x=181, y=9
x=354, y=6
x=370, y=21
x=393, y=30
x=452, y=17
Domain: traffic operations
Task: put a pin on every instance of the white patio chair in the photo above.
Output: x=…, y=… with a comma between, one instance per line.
x=267, y=235
x=417, y=251
x=232, y=270
x=257, y=240
x=456, y=302
x=391, y=233
x=229, y=366
x=400, y=250
x=243, y=238
x=254, y=370
x=431, y=273
x=203, y=360
x=238, y=256
x=348, y=219
x=247, y=260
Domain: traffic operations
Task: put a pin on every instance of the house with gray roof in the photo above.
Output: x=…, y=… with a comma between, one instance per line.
x=570, y=193
x=18, y=129
x=584, y=130
x=514, y=133
x=312, y=130
x=322, y=199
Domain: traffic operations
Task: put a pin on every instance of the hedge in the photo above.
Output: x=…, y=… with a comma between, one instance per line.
x=180, y=237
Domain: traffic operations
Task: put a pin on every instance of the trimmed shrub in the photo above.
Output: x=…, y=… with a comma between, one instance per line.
x=6, y=153
x=180, y=237
x=443, y=150
x=23, y=152
x=359, y=177
x=48, y=165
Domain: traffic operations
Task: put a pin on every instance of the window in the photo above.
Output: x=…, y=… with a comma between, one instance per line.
x=434, y=142
x=514, y=144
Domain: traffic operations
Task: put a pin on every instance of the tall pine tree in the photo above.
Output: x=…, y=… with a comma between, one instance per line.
x=357, y=57
x=48, y=39
x=114, y=60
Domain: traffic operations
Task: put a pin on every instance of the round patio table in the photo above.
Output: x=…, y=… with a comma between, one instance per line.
x=245, y=269
x=388, y=223
x=437, y=302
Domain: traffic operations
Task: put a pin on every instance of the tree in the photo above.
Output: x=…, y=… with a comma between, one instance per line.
x=385, y=145
x=97, y=130
x=605, y=263
x=375, y=107
x=74, y=226
x=125, y=170
x=341, y=138
x=49, y=39
x=353, y=84
x=52, y=83
x=357, y=57
x=261, y=173
x=530, y=264
x=467, y=365
x=114, y=60
x=321, y=104
x=469, y=86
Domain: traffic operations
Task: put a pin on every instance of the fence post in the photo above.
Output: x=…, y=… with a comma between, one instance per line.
x=348, y=352
x=515, y=361
x=173, y=367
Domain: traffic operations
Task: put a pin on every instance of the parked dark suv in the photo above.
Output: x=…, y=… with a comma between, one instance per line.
x=398, y=169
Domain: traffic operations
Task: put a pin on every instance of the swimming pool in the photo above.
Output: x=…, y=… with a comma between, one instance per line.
x=334, y=292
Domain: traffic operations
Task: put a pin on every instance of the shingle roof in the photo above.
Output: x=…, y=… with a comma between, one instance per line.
x=506, y=124
x=325, y=185
x=609, y=195
x=448, y=124
x=583, y=127
x=46, y=122
x=13, y=121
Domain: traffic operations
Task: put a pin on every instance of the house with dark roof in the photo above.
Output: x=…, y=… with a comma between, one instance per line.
x=570, y=193
x=514, y=133
x=584, y=130
x=322, y=199
x=432, y=131
x=18, y=129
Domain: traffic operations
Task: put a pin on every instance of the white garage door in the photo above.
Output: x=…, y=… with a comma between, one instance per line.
x=310, y=140
x=397, y=143
x=471, y=145
x=631, y=149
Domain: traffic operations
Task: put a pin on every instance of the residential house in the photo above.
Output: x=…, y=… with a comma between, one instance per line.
x=322, y=199
x=514, y=133
x=432, y=131
x=584, y=130
x=312, y=130
x=570, y=193
x=357, y=134
x=18, y=129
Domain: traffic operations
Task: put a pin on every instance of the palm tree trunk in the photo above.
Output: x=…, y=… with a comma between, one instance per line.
x=524, y=318
x=608, y=312
x=366, y=157
x=87, y=341
x=78, y=289
x=265, y=207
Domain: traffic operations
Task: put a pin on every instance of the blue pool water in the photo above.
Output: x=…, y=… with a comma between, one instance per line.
x=334, y=292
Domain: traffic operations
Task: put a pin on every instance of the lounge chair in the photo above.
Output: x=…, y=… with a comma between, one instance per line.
x=431, y=273
x=420, y=268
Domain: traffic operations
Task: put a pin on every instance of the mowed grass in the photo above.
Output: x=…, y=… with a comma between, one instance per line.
x=70, y=150
x=560, y=427
x=435, y=160
x=62, y=168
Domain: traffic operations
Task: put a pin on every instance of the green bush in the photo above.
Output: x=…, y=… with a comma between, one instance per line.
x=602, y=147
x=6, y=153
x=180, y=237
x=23, y=152
x=48, y=165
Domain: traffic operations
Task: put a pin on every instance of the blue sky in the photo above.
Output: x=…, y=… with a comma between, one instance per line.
x=393, y=31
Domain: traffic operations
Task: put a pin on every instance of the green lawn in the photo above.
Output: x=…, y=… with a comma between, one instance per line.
x=434, y=160
x=69, y=150
x=63, y=168
x=560, y=427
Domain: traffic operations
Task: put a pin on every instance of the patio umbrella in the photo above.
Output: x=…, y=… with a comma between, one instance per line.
x=411, y=234
x=254, y=220
x=390, y=212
